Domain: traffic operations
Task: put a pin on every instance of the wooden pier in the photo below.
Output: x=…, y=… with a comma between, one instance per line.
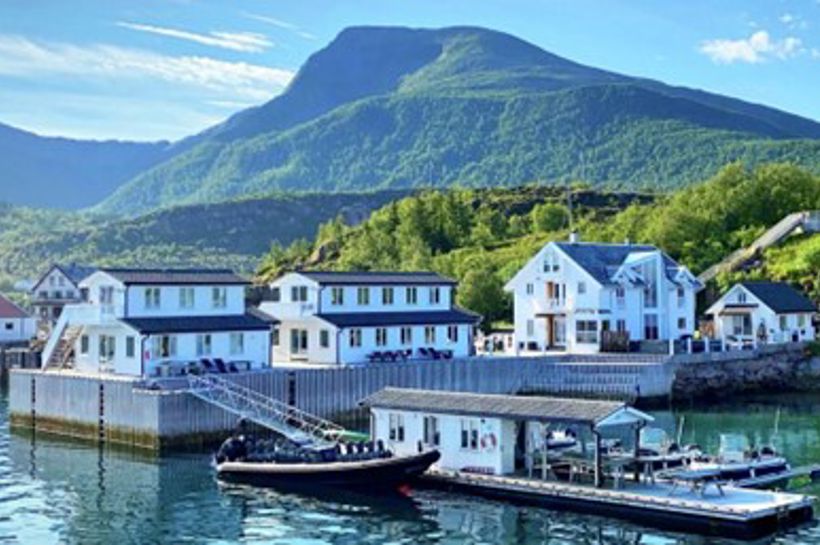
x=737, y=513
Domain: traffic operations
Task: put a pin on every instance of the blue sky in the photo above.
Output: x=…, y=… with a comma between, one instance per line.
x=164, y=69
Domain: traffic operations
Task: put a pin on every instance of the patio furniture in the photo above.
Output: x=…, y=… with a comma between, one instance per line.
x=233, y=368
x=220, y=365
x=424, y=353
x=207, y=365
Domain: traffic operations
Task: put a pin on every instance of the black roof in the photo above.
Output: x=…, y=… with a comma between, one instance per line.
x=422, y=317
x=580, y=411
x=198, y=324
x=601, y=261
x=377, y=277
x=176, y=276
x=780, y=297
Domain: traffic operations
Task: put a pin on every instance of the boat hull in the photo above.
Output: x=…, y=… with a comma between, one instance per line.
x=386, y=472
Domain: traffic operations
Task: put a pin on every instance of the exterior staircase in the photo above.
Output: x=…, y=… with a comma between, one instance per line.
x=287, y=420
x=808, y=222
x=63, y=351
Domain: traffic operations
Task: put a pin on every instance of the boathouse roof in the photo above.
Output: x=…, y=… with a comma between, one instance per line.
x=780, y=297
x=199, y=324
x=577, y=411
x=380, y=278
x=8, y=309
x=175, y=276
x=368, y=319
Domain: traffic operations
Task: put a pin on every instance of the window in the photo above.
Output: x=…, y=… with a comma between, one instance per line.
x=203, y=344
x=337, y=296
x=582, y=288
x=298, y=294
x=381, y=336
x=108, y=348
x=130, y=347
x=432, y=435
x=387, y=296
x=237, y=343
x=530, y=328
x=469, y=434
x=275, y=337
x=620, y=326
x=219, y=297
x=298, y=341
x=452, y=333
x=407, y=335
x=650, y=327
x=324, y=338
x=430, y=334
x=58, y=294
x=411, y=295
x=9, y=326
x=681, y=297
x=52, y=280
x=396, y=427
x=586, y=331
x=435, y=295
x=164, y=346
x=801, y=320
x=355, y=338
x=69, y=294
x=61, y=281
x=620, y=296
x=44, y=294
x=276, y=294
x=152, y=300
x=742, y=324
x=107, y=295
x=741, y=297
x=84, y=344
x=186, y=297
x=363, y=296
x=530, y=289
x=784, y=323
x=682, y=324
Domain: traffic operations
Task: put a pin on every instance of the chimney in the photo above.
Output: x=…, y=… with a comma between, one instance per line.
x=573, y=237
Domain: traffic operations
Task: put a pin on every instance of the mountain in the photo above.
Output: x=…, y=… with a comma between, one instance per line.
x=68, y=174
x=404, y=108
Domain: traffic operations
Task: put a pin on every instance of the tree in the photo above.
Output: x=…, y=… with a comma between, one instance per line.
x=549, y=217
x=482, y=291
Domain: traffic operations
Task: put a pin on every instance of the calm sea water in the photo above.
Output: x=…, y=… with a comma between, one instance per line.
x=57, y=491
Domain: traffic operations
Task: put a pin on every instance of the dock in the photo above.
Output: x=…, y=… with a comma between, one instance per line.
x=738, y=513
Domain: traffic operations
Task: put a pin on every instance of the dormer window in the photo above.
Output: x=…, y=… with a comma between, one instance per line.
x=152, y=298
x=741, y=297
x=219, y=297
x=582, y=288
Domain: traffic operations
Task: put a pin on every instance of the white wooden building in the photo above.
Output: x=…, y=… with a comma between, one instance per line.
x=355, y=317
x=57, y=287
x=763, y=312
x=147, y=322
x=16, y=325
x=480, y=433
x=569, y=293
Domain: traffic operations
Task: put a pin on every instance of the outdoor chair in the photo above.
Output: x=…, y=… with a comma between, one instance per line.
x=220, y=365
x=435, y=353
x=207, y=365
x=233, y=368
x=424, y=353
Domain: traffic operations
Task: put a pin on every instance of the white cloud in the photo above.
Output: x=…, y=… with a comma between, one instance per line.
x=756, y=48
x=815, y=53
x=22, y=57
x=249, y=42
x=793, y=21
x=280, y=24
x=787, y=18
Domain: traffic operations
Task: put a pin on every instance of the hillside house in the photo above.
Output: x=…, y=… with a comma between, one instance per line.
x=16, y=325
x=57, y=287
x=355, y=317
x=764, y=312
x=570, y=294
x=151, y=322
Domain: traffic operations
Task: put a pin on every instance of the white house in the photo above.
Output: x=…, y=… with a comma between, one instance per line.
x=766, y=312
x=146, y=322
x=354, y=317
x=479, y=433
x=16, y=325
x=569, y=293
x=57, y=287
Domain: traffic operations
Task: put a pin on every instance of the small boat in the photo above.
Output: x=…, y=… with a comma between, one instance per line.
x=350, y=465
x=659, y=451
x=557, y=440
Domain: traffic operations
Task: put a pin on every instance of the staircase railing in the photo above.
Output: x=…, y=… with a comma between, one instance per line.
x=293, y=423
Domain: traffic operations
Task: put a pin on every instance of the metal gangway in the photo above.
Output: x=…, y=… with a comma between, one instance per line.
x=297, y=425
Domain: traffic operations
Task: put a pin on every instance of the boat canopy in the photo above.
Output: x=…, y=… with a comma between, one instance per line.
x=594, y=413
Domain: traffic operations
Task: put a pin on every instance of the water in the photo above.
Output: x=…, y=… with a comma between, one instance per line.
x=58, y=491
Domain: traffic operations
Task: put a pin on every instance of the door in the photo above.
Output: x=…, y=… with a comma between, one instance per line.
x=560, y=336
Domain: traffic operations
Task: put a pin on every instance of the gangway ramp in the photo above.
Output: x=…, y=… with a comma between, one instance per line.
x=287, y=420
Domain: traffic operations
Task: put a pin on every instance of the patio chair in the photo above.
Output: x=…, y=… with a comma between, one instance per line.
x=424, y=353
x=447, y=354
x=373, y=356
x=207, y=365
x=435, y=353
x=220, y=365
x=232, y=367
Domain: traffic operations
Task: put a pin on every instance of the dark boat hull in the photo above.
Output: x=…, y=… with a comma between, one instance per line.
x=369, y=473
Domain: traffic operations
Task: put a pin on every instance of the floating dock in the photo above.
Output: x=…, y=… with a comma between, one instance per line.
x=738, y=513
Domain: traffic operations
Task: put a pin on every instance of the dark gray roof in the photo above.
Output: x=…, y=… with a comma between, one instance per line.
x=77, y=273
x=377, y=278
x=176, y=276
x=780, y=297
x=489, y=405
x=198, y=324
x=601, y=261
x=422, y=317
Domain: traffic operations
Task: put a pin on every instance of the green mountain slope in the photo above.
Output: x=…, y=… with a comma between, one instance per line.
x=401, y=108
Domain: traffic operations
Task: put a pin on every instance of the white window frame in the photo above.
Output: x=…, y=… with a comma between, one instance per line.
x=381, y=336
x=411, y=295
x=337, y=296
x=396, y=427
x=363, y=296
x=324, y=338
x=153, y=298
x=355, y=337
x=204, y=344
x=388, y=296
x=187, y=297
x=431, y=431
x=435, y=295
x=429, y=334
x=584, y=334
x=406, y=335
x=582, y=287
x=452, y=334
x=219, y=297
x=237, y=343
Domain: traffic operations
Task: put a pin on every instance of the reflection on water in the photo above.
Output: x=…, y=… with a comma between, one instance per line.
x=56, y=491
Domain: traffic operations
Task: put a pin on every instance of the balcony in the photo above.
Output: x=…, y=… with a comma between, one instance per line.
x=551, y=306
x=89, y=314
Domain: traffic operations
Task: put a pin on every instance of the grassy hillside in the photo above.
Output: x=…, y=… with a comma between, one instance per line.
x=482, y=237
x=400, y=108
x=232, y=234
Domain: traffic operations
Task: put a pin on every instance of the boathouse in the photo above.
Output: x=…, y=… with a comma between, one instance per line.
x=494, y=434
